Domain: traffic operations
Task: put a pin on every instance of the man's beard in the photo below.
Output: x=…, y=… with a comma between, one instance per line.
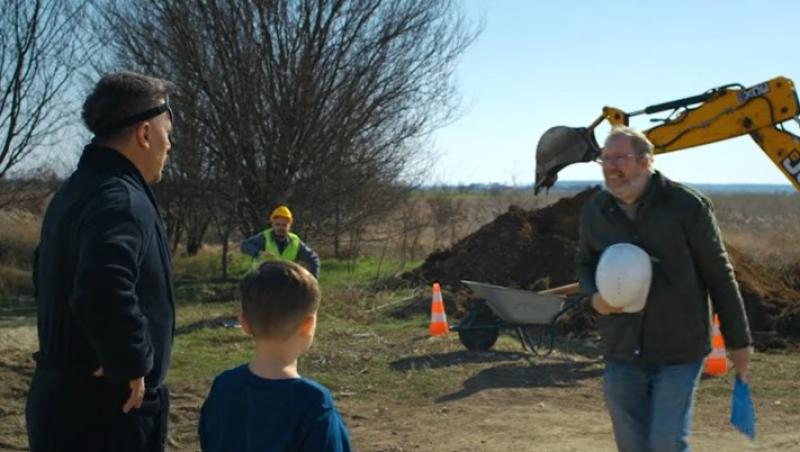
x=632, y=190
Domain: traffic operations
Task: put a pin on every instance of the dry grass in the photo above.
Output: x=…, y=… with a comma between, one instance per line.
x=19, y=235
x=762, y=226
x=430, y=221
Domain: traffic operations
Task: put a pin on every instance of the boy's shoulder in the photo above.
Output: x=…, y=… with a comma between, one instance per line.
x=316, y=390
x=229, y=380
x=242, y=376
x=233, y=375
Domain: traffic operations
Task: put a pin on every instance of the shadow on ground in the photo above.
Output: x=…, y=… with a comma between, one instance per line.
x=439, y=360
x=537, y=375
x=24, y=368
x=217, y=322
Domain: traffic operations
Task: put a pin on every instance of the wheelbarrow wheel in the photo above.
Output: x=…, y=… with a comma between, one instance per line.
x=479, y=339
x=478, y=332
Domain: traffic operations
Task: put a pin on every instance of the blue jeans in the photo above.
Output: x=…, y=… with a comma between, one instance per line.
x=651, y=405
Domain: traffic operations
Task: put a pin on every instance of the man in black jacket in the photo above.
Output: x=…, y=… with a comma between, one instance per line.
x=654, y=357
x=104, y=299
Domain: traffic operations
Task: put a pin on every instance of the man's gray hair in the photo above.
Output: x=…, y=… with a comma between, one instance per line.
x=639, y=141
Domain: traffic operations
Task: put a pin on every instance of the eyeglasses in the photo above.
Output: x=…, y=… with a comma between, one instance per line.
x=615, y=159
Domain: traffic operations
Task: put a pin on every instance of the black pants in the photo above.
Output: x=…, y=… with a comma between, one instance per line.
x=68, y=412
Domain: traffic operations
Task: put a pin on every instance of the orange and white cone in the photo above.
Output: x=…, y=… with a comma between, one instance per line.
x=717, y=360
x=438, y=326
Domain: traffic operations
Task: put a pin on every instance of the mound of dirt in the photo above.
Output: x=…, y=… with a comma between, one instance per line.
x=536, y=250
x=525, y=249
x=772, y=305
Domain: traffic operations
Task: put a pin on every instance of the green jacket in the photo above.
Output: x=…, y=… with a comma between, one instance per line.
x=675, y=225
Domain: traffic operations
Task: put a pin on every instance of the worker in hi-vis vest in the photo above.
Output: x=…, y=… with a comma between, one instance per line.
x=277, y=243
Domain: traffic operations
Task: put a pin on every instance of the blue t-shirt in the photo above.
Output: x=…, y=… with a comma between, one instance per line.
x=244, y=412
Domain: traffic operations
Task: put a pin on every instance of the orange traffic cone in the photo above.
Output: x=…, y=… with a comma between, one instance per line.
x=717, y=360
x=438, y=326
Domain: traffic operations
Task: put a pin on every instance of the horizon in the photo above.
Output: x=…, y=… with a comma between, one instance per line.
x=571, y=185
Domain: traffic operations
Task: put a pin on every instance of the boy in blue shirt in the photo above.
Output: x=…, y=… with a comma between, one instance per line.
x=266, y=405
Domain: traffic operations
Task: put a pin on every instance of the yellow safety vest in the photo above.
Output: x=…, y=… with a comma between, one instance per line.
x=272, y=251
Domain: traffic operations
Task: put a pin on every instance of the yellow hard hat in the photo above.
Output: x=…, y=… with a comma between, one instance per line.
x=282, y=212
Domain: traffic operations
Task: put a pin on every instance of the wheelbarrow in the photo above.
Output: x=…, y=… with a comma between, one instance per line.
x=531, y=315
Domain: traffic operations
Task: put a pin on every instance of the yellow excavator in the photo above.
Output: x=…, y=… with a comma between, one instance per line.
x=718, y=114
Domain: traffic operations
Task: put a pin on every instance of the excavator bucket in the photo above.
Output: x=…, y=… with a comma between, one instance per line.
x=561, y=146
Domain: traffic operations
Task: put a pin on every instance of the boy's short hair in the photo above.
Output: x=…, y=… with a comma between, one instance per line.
x=276, y=297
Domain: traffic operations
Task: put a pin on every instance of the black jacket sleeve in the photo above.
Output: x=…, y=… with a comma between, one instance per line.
x=104, y=301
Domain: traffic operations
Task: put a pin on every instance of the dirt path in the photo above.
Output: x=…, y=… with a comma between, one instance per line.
x=553, y=405
x=524, y=420
x=16, y=368
x=543, y=419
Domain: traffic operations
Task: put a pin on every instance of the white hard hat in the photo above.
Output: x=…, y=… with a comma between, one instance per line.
x=623, y=276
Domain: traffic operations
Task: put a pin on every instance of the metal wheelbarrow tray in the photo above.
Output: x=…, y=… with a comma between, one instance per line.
x=523, y=311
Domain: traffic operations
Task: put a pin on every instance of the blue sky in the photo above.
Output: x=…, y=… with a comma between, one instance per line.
x=539, y=64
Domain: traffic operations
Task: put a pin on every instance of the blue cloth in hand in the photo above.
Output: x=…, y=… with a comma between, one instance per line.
x=743, y=416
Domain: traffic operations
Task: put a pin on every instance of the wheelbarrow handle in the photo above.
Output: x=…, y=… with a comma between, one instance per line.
x=567, y=290
x=568, y=306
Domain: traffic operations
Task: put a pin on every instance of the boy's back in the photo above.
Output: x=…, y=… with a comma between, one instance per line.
x=245, y=412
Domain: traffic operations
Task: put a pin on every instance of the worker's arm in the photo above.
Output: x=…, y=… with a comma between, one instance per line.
x=710, y=256
x=715, y=269
x=587, y=266
x=307, y=256
x=252, y=246
x=587, y=258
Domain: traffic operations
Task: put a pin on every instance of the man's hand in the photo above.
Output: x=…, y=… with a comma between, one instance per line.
x=741, y=361
x=602, y=307
x=137, y=391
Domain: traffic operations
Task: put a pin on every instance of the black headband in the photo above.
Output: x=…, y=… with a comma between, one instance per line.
x=136, y=117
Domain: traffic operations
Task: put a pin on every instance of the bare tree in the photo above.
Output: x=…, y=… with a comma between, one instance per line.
x=412, y=224
x=314, y=102
x=29, y=190
x=448, y=213
x=40, y=51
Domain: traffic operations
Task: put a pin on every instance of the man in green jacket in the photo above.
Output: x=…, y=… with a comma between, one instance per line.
x=279, y=243
x=655, y=356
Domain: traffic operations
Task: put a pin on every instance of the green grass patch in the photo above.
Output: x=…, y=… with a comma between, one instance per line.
x=361, y=352
x=356, y=341
x=337, y=273
x=200, y=355
x=207, y=265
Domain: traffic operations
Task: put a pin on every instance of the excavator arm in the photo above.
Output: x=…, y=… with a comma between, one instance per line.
x=716, y=115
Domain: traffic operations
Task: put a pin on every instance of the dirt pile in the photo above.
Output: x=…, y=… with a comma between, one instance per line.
x=537, y=249
x=526, y=249
x=772, y=305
